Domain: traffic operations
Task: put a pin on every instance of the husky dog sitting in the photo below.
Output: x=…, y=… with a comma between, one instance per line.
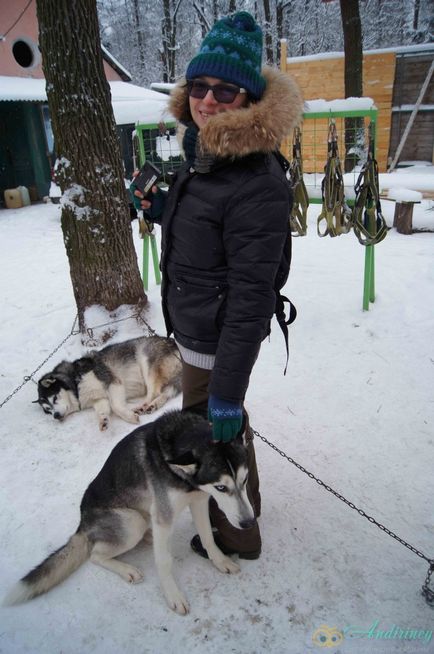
x=147, y=480
x=106, y=379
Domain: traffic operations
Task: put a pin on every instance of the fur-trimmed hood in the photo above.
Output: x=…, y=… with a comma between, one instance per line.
x=260, y=127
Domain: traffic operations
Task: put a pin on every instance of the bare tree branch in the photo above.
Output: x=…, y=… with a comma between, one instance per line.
x=202, y=18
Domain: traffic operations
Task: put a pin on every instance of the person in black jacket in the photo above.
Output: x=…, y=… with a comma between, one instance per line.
x=224, y=228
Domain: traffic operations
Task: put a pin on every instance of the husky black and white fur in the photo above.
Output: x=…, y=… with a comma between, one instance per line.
x=149, y=366
x=148, y=479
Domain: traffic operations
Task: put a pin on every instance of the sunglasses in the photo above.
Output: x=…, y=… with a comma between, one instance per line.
x=221, y=92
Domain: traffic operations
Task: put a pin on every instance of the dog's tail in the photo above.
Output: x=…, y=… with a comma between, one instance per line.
x=56, y=567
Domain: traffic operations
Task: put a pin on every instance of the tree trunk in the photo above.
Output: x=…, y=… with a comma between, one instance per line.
x=268, y=26
x=416, y=14
x=139, y=32
x=353, y=48
x=281, y=8
x=215, y=11
x=168, y=33
x=204, y=25
x=95, y=218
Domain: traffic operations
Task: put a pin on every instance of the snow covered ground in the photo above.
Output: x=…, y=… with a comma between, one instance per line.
x=356, y=408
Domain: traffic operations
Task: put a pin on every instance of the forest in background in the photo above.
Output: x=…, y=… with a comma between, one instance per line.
x=154, y=41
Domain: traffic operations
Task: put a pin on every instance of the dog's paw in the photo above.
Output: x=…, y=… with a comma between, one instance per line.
x=140, y=410
x=103, y=424
x=132, y=575
x=226, y=565
x=178, y=603
x=151, y=408
x=136, y=576
x=145, y=409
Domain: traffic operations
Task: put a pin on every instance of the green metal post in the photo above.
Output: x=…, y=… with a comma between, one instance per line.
x=372, y=290
x=369, y=281
x=145, y=270
x=369, y=278
x=155, y=260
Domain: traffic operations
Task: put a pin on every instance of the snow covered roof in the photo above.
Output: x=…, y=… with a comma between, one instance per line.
x=22, y=88
x=349, y=104
x=141, y=111
x=163, y=87
x=114, y=63
x=399, y=50
x=131, y=103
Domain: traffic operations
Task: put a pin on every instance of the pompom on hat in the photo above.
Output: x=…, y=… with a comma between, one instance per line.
x=232, y=51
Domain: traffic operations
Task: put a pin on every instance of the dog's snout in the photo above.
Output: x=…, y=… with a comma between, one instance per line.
x=247, y=524
x=57, y=415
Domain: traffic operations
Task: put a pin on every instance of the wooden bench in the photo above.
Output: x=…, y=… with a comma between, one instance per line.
x=403, y=216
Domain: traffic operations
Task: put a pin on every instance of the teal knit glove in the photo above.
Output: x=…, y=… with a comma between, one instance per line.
x=136, y=200
x=157, y=199
x=226, y=418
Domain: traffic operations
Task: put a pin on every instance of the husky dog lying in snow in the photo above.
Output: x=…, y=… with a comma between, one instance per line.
x=147, y=366
x=148, y=479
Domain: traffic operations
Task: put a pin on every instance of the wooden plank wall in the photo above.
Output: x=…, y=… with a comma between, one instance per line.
x=411, y=71
x=325, y=79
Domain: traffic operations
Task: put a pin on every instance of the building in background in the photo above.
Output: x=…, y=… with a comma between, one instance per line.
x=27, y=150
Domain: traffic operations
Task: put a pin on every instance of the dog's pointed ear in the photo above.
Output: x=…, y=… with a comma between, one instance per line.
x=46, y=382
x=184, y=463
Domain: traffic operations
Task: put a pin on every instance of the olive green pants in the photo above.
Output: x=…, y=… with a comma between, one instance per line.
x=195, y=398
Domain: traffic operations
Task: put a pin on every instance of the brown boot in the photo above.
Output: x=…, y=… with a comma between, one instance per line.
x=196, y=546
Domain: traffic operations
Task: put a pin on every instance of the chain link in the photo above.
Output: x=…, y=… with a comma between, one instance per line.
x=427, y=592
x=27, y=378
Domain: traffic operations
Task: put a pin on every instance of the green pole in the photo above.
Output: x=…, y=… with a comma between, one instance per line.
x=145, y=271
x=149, y=239
x=372, y=289
x=155, y=260
x=369, y=278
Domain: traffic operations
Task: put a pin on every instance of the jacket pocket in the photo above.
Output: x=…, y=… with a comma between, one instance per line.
x=196, y=306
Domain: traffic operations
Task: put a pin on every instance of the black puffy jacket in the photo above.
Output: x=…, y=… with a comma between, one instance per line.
x=223, y=233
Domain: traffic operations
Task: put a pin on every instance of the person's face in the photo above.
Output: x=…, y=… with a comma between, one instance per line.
x=202, y=109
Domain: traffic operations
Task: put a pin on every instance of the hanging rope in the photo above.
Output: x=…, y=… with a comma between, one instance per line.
x=298, y=218
x=335, y=210
x=369, y=224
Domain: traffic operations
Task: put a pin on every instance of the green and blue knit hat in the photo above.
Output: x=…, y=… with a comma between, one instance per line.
x=232, y=51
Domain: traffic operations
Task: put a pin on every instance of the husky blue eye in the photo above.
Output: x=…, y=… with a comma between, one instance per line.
x=222, y=489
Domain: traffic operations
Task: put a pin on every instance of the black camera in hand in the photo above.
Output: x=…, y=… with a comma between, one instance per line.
x=147, y=177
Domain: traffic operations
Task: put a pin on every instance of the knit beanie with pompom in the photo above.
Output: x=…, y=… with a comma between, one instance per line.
x=232, y=51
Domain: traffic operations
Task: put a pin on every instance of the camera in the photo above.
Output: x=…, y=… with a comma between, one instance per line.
x=147, y=177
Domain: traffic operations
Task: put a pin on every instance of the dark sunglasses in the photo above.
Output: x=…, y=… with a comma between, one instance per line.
x=221, y=92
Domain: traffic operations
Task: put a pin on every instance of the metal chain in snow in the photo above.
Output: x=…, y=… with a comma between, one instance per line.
x=27, y=378
x=427, y=591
